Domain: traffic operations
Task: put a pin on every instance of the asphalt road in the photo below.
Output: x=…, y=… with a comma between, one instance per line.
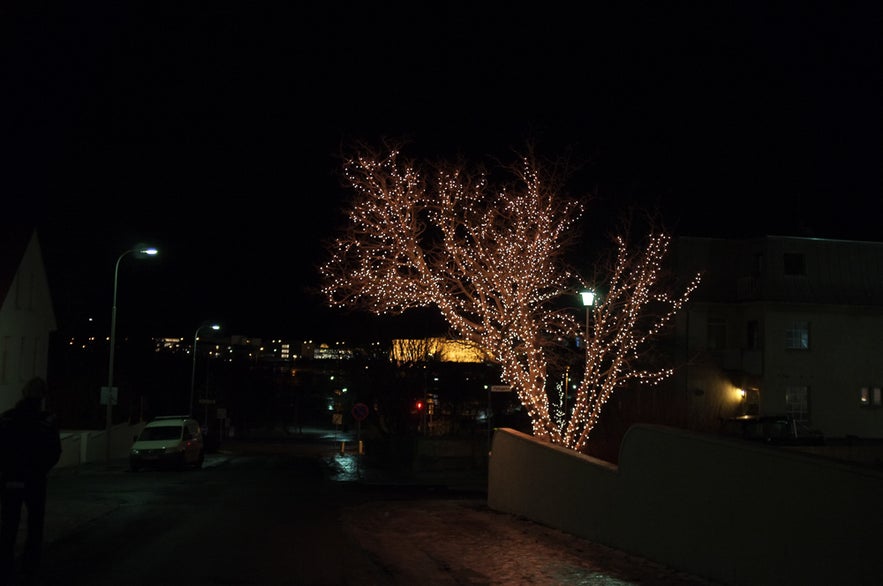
x=300, y=512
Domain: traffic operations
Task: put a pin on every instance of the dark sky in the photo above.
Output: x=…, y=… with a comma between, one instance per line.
x=212, y=130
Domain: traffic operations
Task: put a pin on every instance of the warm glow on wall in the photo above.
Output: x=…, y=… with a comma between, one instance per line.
x=436, y=348
x=736, y=394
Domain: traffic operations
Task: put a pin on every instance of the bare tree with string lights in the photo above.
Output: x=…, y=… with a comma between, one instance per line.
x=492, y=259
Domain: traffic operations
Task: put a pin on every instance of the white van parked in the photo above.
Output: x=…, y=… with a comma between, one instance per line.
x=171, y=441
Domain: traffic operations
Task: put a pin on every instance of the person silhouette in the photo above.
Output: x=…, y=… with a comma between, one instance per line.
x=30, y=446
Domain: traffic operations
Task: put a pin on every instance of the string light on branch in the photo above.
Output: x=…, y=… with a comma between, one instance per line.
x=490, y=258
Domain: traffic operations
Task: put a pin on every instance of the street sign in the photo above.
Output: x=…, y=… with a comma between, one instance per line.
x=500, y=388
x=360, y=411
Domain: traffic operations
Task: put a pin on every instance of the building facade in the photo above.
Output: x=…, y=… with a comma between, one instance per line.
x=783, y=325
x=27, y=317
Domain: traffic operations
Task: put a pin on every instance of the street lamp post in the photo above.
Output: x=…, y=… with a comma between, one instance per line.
x=589, y=301
x=140, y=252
x=588, y=297
x=215, y=327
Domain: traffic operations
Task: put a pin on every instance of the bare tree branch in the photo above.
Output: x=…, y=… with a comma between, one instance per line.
x=492, y=259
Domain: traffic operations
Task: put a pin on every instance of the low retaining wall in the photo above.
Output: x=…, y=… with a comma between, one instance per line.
x=70, y=450
x=732, y=512
x=79, y=446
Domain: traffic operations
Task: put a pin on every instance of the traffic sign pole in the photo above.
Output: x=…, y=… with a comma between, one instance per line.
x=360, y=412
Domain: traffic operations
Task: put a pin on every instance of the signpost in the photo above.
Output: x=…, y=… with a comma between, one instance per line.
x=360, y=412
x=490, y=408
x=112, y=394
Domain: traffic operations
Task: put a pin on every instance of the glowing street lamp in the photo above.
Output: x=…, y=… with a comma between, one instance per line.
x=139, y=251
x=215, y=327
x=588, y=298
x=589, y=301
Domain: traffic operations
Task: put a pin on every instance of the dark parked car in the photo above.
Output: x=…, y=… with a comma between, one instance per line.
x=773, y=429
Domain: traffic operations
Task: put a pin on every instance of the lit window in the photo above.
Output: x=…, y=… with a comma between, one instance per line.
x=797, y=336
x=871, y=397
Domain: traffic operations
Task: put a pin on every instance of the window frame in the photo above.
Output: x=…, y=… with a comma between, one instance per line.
x=797, y=335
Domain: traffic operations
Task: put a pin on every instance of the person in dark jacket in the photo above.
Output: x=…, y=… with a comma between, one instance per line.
x=30, y=445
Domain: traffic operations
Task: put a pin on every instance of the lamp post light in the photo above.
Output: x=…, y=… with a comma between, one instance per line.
x=139, y=252
x=588, y=297
x=215, y=327
x=589, y=301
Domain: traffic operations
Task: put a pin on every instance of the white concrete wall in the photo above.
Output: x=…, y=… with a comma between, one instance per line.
x=89, y=445
x=70, y=449
x=733, y=512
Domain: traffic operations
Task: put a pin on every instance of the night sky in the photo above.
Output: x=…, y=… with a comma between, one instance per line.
x=213, y=131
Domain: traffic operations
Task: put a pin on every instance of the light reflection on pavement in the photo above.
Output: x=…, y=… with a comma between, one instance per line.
x=345, y=467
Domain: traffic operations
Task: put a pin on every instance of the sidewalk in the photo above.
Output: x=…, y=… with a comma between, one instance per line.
x=63, y=516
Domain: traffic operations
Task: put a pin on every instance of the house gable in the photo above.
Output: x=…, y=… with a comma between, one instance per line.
x=27, y=316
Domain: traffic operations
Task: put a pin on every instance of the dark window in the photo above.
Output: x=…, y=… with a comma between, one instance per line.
x=795, y=264
x=797, y=402
x=758, y=263
x=716, y=334
x=753, y=335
